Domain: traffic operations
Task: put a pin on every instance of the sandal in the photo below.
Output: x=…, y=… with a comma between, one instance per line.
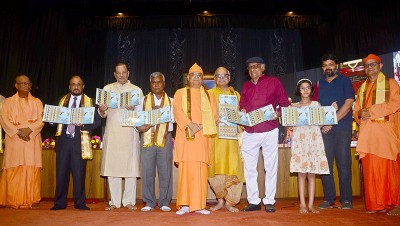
x=303, y=210
x=394, y=212
x=131, y=207
x=312, y=210
x=112, y=207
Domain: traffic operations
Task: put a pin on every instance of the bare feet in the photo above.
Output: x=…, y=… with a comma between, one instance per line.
x=112, y=207
x=395, y=211
x=218, y=206
x=312, y=210
x=303, y=210
x=231, y=208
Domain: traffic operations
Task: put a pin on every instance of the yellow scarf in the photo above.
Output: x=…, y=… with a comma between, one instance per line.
x=379, y=95
x=207, y=117
x=156, y=136
x=87, y=151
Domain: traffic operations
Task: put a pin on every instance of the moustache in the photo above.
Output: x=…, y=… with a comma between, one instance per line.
x=330, y=72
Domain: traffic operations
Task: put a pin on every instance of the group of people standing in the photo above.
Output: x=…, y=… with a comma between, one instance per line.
x=201, y=157
x=314, y=149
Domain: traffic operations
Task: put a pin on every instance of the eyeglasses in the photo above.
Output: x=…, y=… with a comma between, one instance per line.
x=370, y=65
x=221, y=76
x=196, y=75
x=253, y=67
x=305, y=88
x=24, y=83
x=123, y=73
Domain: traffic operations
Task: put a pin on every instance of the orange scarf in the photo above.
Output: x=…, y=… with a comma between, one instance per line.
x=23, y=107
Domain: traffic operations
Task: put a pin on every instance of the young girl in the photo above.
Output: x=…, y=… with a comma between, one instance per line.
x=308, y=151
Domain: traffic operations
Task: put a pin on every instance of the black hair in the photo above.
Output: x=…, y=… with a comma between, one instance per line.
x=329, y=56
x=298, y=93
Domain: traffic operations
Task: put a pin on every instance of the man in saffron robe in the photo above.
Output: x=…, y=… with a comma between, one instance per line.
x=156, y=148
x=195, y=114
x=377, y=111
x=225, y=171
x=22, y=122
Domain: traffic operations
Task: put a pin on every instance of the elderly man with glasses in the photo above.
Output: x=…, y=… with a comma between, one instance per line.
x=195, y=113
x=260, y=91
x=21, y=118
x=226, y=167
x=377, y=111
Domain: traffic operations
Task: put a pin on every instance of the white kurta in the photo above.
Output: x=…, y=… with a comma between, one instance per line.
x=120, y=157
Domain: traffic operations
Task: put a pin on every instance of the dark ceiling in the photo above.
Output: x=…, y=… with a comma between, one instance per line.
x=182, y=7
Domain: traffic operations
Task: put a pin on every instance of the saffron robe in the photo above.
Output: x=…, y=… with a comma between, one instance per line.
x=378, y=145
x=20, y=178
x=192, y=156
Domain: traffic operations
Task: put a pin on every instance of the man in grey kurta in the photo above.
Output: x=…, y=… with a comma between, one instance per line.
x=156, y=148
x=120, y=157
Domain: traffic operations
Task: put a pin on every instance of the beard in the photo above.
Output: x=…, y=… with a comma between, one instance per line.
x=330, y=73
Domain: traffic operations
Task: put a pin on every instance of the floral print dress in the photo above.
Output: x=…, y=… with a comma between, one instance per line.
x=308, y=151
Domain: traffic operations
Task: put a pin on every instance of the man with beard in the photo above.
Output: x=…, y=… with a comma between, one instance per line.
x=334, y=87
x=72, y=141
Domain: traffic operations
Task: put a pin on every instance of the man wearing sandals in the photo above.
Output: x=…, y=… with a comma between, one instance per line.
x=377, y=111
x=120, y=157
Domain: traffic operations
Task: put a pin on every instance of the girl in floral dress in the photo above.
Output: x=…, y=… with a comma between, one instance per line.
x=308, y=151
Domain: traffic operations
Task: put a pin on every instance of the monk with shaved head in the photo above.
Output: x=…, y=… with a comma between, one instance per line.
x=21, y=118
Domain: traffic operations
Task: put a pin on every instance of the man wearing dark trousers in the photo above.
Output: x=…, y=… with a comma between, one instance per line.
x=73, y=142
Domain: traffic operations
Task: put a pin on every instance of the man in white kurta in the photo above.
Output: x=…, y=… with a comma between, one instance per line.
x=120, y=157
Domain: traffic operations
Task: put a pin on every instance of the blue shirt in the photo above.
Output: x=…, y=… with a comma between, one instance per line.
x=339, y=89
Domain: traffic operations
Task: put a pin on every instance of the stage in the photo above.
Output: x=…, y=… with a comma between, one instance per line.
x=287, y=214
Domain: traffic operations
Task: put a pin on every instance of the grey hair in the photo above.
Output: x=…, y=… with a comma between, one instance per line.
x=156, y=74
x=229, y=73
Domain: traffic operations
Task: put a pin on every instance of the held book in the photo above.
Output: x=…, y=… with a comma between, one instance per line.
x=227, y=130
x=117, y=100
x=139, y=118
x=251, y=118
x=64, y=115
x=309, y=116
